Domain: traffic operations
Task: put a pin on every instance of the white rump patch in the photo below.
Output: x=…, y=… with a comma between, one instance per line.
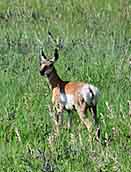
x=90, y=94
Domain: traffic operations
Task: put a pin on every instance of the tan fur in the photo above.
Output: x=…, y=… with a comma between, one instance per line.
x=69, y=88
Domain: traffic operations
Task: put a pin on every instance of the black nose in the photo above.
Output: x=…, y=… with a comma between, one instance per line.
x=42, y=72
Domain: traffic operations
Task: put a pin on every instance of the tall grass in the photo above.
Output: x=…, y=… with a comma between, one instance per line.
x=96, y=41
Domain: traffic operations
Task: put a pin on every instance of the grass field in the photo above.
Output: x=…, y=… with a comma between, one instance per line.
x=95, y=37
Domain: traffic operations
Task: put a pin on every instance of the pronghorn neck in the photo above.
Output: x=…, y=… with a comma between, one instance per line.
x=54, y=79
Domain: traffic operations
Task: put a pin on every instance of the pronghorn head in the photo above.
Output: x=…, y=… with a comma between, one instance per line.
x=46, y=65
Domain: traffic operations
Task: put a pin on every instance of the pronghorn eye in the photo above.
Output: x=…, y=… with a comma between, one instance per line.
x=41, y=62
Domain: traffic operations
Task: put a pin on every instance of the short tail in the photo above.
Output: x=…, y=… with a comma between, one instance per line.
x=95, y=94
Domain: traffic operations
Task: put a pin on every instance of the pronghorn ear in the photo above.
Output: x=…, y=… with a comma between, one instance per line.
x=56, y=55
x=42, y=56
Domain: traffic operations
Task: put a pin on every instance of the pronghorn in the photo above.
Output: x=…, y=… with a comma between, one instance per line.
x=68, y=95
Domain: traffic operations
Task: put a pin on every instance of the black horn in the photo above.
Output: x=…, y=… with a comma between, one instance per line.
x=56, y=54
x=43, y=55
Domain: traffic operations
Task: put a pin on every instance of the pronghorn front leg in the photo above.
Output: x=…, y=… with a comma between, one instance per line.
x=69, y=124
x=53, y=114
x=58, y=117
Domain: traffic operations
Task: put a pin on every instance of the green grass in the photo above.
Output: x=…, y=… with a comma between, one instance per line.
x=97, y=46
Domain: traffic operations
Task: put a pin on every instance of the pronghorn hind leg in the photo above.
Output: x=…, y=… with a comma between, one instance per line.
x=93, y=110
x=81, y=109
x=85, y=121
x=94, y=114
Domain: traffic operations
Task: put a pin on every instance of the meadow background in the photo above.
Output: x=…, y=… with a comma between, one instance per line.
x=95, y=46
